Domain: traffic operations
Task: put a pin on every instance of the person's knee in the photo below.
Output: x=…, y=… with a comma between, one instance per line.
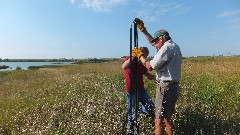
x=157, y=121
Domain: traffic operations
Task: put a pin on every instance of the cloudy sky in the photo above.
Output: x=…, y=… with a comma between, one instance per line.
x=100, y=28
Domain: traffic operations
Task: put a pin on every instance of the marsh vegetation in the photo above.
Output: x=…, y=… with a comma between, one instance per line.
x=90, y=99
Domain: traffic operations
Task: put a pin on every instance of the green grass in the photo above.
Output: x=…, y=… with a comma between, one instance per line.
x=91, y=99
x=210, y=96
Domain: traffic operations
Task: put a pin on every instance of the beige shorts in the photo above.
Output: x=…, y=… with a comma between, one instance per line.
x=166, y=98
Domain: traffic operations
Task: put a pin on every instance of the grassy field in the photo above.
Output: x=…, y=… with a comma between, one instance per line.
x=90, y=99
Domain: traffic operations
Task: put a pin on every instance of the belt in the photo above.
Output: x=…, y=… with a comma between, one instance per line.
x=170, y=82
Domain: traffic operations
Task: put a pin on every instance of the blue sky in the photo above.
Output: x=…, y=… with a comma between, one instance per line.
x=100, y=28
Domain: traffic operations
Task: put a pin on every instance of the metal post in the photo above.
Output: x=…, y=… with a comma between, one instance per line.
x=134, y=72
x=136, y=79
x=131, y=77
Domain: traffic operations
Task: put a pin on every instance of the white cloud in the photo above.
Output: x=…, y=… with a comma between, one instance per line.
x=72, y=1
x=148, y=10
x=229, y=13
x=151, y=11
x=232, y=18
x=235, y=23
x=145, y=14
x=98, y=5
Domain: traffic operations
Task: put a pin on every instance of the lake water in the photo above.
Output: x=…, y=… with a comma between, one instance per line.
x=25, y=65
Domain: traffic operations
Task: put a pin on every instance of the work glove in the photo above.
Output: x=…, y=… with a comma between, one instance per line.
x=137, y=53
x=140, y=24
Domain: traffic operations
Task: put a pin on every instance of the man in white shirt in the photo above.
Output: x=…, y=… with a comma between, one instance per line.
x=167, y=63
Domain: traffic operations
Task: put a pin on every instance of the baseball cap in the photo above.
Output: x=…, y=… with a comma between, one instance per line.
x=159, y=34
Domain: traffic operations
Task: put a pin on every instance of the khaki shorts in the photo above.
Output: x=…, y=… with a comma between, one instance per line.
x=166, y=98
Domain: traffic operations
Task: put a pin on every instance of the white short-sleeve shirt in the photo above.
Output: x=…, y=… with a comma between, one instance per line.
x=167, y=62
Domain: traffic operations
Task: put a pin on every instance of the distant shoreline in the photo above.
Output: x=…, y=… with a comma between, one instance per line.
x=58, y=60
x=12, y=64
x=91, y=60
x=38, y=60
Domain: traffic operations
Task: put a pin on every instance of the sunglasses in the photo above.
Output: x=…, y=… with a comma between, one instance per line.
x=155, y=39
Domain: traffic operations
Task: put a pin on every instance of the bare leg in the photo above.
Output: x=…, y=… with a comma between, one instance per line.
x=169, y=126
x=159, y=126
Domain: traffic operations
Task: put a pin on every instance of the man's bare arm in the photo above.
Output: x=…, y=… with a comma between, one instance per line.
x=150, y=76
x=146, y=63
x=148, y=37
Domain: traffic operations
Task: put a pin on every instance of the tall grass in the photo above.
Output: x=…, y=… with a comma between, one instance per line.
x=210, y=96
x=91, y=99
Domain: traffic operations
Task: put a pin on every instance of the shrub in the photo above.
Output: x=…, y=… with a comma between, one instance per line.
x=18, y=68
x=3, y=66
